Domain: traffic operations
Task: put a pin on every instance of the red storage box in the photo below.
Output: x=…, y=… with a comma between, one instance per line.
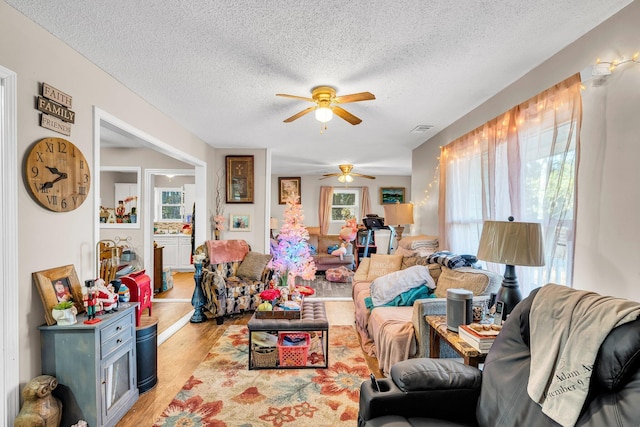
x=295, y=354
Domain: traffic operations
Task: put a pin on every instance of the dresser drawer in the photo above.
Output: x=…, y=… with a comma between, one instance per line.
x=114, y=336
x=115, y=344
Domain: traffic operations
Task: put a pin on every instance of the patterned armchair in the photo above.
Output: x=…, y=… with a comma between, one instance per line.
x=227, y=292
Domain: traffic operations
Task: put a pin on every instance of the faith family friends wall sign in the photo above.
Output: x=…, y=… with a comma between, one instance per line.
x=55, y=106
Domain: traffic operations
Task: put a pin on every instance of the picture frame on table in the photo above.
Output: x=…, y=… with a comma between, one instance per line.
x=390, y=195
x=289, y=187
x=56, y=285
x=239, y=179
x=240, y=222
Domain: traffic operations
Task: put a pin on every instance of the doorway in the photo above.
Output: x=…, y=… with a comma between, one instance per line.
x=125, y=136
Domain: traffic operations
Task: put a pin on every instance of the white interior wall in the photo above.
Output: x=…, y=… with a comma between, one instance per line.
x=54, y=239
x=607, y=237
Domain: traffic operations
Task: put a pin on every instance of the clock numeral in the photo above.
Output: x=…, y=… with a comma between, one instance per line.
x=35, y=171
x=41, y=188
x=81, y=164
x=62, y=147
x=86, y=177
x=39, y=157
x=63, y=204
x=73, y=151
x=49, y=147
x=82, y=190
x=75, y=199
x=53, y=199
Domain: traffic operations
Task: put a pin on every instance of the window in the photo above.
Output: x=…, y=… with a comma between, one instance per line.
x=169, y=204
x=345, y=204
x=522, y=163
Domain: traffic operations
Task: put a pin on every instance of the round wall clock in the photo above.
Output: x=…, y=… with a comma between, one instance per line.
x=57, y=174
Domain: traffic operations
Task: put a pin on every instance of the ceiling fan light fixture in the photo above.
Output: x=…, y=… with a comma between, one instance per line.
x=323, y=114
x=345, y=178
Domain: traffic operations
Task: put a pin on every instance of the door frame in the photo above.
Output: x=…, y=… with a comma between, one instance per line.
x=10, y=342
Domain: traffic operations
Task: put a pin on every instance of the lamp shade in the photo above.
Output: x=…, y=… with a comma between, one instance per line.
x=512, y=243
x=273, y=223
x=398, y=213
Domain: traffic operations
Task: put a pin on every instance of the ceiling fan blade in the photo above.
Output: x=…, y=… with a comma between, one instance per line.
x=354, y=97
x=331, y=174
x=300, y=114
x=344, y=114
x=363, y=176
x=295, y=97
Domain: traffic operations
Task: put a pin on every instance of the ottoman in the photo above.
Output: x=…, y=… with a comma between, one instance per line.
x=314, y=319
x=341, y=274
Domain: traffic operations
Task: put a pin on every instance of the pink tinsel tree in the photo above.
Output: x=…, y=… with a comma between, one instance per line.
x=292, y=256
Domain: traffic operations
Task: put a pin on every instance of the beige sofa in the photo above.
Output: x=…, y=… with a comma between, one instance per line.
x=395, y=333
x=325, y=260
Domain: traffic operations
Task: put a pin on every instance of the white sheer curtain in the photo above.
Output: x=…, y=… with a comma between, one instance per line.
x=522, y=163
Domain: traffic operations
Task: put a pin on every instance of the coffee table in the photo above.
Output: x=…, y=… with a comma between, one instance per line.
x=313, y=319
x=438, y=331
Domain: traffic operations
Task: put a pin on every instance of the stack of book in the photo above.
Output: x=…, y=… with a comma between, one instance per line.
x=481, y=340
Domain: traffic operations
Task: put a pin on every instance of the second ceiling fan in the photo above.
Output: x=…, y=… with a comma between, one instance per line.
x=326, y=104
x=345, y=174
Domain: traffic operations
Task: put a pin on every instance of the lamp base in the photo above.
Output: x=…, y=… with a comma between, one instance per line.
x=509, y=292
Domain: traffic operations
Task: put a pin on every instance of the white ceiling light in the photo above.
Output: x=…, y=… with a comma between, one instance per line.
x=323, y=114
x=345, y=178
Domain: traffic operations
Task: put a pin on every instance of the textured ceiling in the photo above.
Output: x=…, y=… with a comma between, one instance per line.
x=215, y=66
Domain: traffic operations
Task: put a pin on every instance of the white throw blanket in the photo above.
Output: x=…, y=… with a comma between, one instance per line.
x=567, y=329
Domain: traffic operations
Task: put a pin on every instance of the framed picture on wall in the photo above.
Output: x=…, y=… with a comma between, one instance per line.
x=390, y=195
x=239, y=171
x=240, y=222
x=289, y=188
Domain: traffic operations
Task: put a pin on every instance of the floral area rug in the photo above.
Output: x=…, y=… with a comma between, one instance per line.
x=223, y=392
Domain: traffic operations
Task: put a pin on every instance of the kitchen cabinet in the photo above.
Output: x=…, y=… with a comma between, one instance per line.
x=177, y=250
x=97, y=363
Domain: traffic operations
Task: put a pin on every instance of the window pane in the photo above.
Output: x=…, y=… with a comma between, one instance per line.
x=171, y=212
x=342, y=199
x=171, y=197
x=340, y=214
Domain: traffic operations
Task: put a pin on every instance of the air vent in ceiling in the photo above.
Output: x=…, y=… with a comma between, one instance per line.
x=421, y=128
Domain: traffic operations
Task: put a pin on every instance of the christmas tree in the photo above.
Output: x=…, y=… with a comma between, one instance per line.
x=292, y=256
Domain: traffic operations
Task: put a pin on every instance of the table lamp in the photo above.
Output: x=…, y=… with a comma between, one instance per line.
x=273, y=225
x=395, y=216
x=511, y=243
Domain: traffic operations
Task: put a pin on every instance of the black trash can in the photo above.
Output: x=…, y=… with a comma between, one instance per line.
x=147, y=353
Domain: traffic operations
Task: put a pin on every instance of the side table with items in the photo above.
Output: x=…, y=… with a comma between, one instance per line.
x=438, y=331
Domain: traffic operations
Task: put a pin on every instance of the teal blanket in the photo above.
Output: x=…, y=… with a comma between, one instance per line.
x=404, y=299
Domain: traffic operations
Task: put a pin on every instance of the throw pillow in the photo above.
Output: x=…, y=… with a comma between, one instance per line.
x=362, y=271
x=332, y=248
x=313, y=250
x=386, y=288
x=383, y=264
x=468, y=278
x=253, y=265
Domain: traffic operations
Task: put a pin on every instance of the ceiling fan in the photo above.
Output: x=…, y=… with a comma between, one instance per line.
x=326, y=100
x=346, y=175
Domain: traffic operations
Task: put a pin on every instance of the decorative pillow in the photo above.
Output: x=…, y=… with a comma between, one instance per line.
x=313, y=250
x=383, y=264
x=332, y=248
x=253, y=265
x=386, y=288
x=468, y=278
x=363, y=270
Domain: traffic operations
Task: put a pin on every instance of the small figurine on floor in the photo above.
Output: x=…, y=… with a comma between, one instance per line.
x=90, y=298
x=40, y=407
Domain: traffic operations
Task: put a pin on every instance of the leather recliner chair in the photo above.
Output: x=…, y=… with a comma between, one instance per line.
x=445, y=393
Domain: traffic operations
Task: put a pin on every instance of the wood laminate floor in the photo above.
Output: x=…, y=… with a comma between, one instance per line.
x=182, y=353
